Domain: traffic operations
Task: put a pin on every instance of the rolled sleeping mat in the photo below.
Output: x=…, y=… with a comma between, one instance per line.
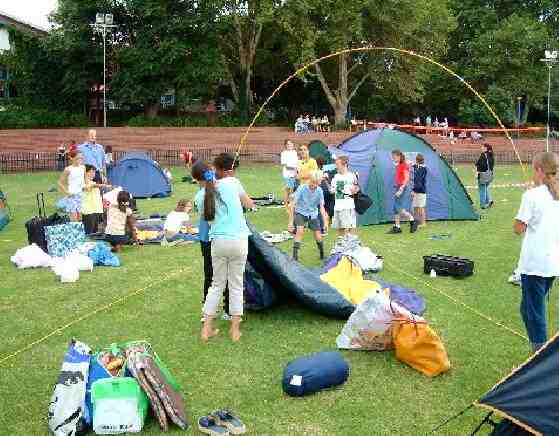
x=309, y=374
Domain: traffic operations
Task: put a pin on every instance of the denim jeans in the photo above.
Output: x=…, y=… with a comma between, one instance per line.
x=532, y=307
x=484, y=195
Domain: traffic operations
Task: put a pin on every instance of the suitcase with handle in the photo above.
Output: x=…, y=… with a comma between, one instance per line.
x=36, y=226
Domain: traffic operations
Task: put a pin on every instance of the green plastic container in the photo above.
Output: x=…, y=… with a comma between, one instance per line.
x=119, y=406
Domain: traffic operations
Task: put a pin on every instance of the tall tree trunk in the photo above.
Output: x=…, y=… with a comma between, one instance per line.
x=340, y=112
x=340, y=98
x=244, y=90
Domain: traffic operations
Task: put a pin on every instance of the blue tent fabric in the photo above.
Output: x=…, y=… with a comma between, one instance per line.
x=140, y=175
x=528, y=396
x=292, y=278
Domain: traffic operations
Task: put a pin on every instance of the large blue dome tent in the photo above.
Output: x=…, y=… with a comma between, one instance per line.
x=140, y=175
x=369, y=154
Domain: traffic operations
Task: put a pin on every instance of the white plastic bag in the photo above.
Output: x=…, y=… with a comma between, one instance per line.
x=366, y=259
x=66, y=270
x=31, y=256
x=369, y=326
x=80, y=261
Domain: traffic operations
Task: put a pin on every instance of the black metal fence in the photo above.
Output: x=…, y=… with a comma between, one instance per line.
x=12, y=162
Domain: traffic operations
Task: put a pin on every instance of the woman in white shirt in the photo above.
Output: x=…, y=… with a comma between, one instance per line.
x=177, y=220
x=538, y=220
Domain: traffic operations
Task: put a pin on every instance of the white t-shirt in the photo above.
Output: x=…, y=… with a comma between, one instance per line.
x=175, y=221
x=116, y=221
x=76, y=179
x=289, y=160
x=539, y=255
x=341, y=186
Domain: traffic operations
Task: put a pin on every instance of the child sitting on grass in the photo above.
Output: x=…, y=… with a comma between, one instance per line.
x=402, y=200
x=419, y=192
x=92, y=203
x=538, y=220
x=120, y=222
x=303, y=210
x=176, y=220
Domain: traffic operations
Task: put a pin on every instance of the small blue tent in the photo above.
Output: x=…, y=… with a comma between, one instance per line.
x=140, y=175
x=369, y=155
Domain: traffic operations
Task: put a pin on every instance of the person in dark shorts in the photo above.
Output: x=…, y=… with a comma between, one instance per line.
x=304, y=210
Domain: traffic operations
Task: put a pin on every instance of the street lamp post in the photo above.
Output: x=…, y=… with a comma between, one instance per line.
x=551, y=58
x=102, y=23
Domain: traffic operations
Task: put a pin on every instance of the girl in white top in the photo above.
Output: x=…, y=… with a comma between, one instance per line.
x=72, y=183
x=289, y=159
x=538, y=220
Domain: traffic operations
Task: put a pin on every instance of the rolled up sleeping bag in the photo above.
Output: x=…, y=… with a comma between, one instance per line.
x=309, y=374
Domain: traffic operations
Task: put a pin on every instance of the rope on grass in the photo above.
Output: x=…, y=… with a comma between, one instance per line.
x=461, y=303
x=105, y=307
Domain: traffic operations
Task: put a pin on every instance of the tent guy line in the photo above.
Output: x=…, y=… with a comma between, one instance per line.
x=105, y=307
x=456, y=301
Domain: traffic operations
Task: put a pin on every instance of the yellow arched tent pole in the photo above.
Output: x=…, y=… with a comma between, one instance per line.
x=387, y=49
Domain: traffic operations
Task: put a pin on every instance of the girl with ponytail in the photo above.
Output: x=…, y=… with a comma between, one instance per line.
x=221, y=206
x=120, y=222
x=538, y=221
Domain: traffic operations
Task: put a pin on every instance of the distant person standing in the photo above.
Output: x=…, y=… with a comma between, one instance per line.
x=428, y=123
x=402, y=193
x=61, y=157
x=289, y=160
x=306, y=165
x=94, y=154
x=484, y=172
x=419, y=191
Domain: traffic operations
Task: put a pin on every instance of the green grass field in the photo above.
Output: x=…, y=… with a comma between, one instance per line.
x=382, y=395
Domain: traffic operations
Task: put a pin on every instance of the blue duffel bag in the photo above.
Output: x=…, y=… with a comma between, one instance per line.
x=309, y=374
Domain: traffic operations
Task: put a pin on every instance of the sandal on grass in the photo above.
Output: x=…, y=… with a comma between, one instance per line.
x=209, y=425
x=231, y=422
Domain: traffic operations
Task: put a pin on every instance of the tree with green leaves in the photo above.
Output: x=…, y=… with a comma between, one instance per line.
x=320, y=27
x=240, y=25
x=497, y=46
x=159, y=45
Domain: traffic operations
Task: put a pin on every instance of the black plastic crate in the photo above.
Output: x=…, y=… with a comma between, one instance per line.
x=448, y=265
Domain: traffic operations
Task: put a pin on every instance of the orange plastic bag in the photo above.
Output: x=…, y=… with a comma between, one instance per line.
x=420, y=347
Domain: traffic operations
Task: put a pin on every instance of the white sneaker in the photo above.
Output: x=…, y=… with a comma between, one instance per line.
x=226, y=317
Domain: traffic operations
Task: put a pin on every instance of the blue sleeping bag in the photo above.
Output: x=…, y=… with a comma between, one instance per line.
x=309, y=374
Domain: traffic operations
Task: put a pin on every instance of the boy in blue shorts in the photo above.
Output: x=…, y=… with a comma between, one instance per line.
x=303, y=210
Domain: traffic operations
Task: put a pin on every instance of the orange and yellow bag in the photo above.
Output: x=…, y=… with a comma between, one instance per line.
x=420, y=347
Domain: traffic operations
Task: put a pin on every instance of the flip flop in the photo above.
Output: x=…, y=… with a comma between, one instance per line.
x=209, y=425
x=231, y=422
